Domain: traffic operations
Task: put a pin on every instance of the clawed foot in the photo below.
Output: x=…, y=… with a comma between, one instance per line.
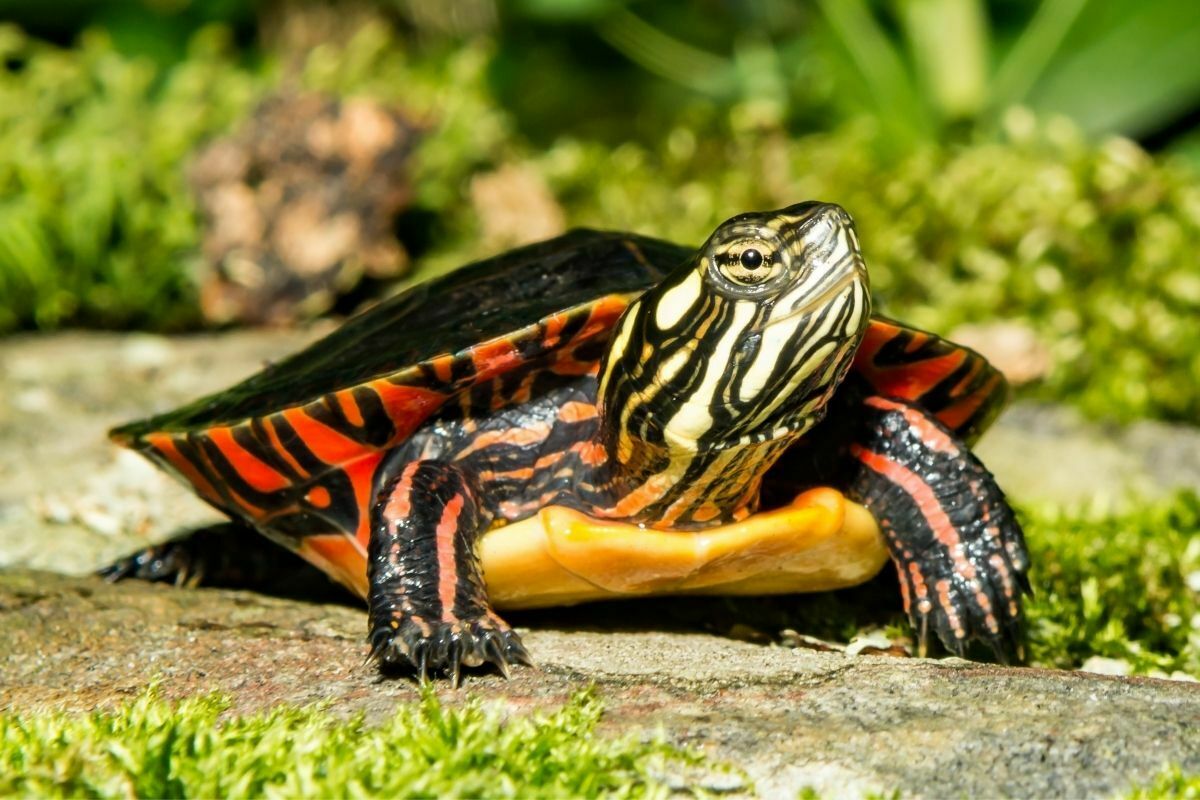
x=973, y=592
x=171, y=562
x=413, y=643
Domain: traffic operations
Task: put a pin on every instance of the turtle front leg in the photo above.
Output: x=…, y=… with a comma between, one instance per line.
x=428, y=607
x=956, y=543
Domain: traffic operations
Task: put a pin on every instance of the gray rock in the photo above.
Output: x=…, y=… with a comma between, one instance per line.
x=789, y=718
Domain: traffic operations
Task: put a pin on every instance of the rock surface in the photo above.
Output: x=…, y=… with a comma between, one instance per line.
x=789, y=718
x=69, y=502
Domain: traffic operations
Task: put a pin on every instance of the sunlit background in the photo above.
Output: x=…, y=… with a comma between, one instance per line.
x=1024, y=174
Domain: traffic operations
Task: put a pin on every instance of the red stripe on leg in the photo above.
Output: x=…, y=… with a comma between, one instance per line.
x=932, y=435
x=399, y=504
x=447, y=530
x=939, y=523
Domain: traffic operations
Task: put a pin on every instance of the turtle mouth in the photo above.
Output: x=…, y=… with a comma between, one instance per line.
x=807, y=307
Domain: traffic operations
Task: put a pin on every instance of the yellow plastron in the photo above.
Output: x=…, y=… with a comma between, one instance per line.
x=559, y=556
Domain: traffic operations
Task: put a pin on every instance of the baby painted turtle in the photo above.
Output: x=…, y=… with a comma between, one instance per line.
x=600, y=415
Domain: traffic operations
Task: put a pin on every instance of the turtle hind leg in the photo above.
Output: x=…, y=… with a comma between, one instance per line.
x=428, y=608
x=228, y=555
x=958, y=548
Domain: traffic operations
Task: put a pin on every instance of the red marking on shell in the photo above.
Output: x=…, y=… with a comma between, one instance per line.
x=164, y=445
x=604, y=314
x=933, y=436
x=260, y=476
x=552, y=330
x=406, y=406
x=917, y=340
x=325, y=443
x=340, y=558
x=273, y=434
x=360, y=474
x=229, y=495
x=318, y=496
x=446, y=555
x=961, y=411
x=494, y=357
x=912, y=380
x=972, y=373
x=443, y=368
x=345, y=400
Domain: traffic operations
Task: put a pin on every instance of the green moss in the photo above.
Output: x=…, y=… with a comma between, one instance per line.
x=150, y=748
x=1124, y=586
x=1170, y=784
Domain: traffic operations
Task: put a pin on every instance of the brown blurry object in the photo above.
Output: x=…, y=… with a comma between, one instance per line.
x=299, y=205
x=1012, y=347
x=515, y=207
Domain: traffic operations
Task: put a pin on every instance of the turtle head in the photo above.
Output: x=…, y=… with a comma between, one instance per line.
x=746, y=341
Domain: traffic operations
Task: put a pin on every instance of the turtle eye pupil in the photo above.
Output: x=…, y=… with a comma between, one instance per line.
x=751, y=258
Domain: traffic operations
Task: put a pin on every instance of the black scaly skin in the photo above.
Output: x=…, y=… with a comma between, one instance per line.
x=228, y=555
x=410, y=625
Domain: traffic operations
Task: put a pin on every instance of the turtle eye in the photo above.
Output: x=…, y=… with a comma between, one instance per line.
x=747, y=264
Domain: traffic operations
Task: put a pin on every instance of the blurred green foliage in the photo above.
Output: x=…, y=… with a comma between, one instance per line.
x=1090, y=242
x=1170, y=784
x=96, y=223
x=921, y=69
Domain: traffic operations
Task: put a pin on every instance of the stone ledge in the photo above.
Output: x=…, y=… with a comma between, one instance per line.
x=790, y=718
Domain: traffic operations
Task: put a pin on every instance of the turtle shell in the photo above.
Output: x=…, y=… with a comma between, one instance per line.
x=299, y=441
x=470, y=325
x=260, y=449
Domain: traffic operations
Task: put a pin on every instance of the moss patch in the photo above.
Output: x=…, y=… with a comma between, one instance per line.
x=1117, y=586
x=1171, y=784
x=151, y=748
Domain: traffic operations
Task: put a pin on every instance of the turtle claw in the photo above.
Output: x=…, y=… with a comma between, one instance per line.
x=984, y=607
x=170, y=562
x=426, y=648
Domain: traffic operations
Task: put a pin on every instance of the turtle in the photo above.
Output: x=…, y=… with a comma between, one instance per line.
x=605, y=415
